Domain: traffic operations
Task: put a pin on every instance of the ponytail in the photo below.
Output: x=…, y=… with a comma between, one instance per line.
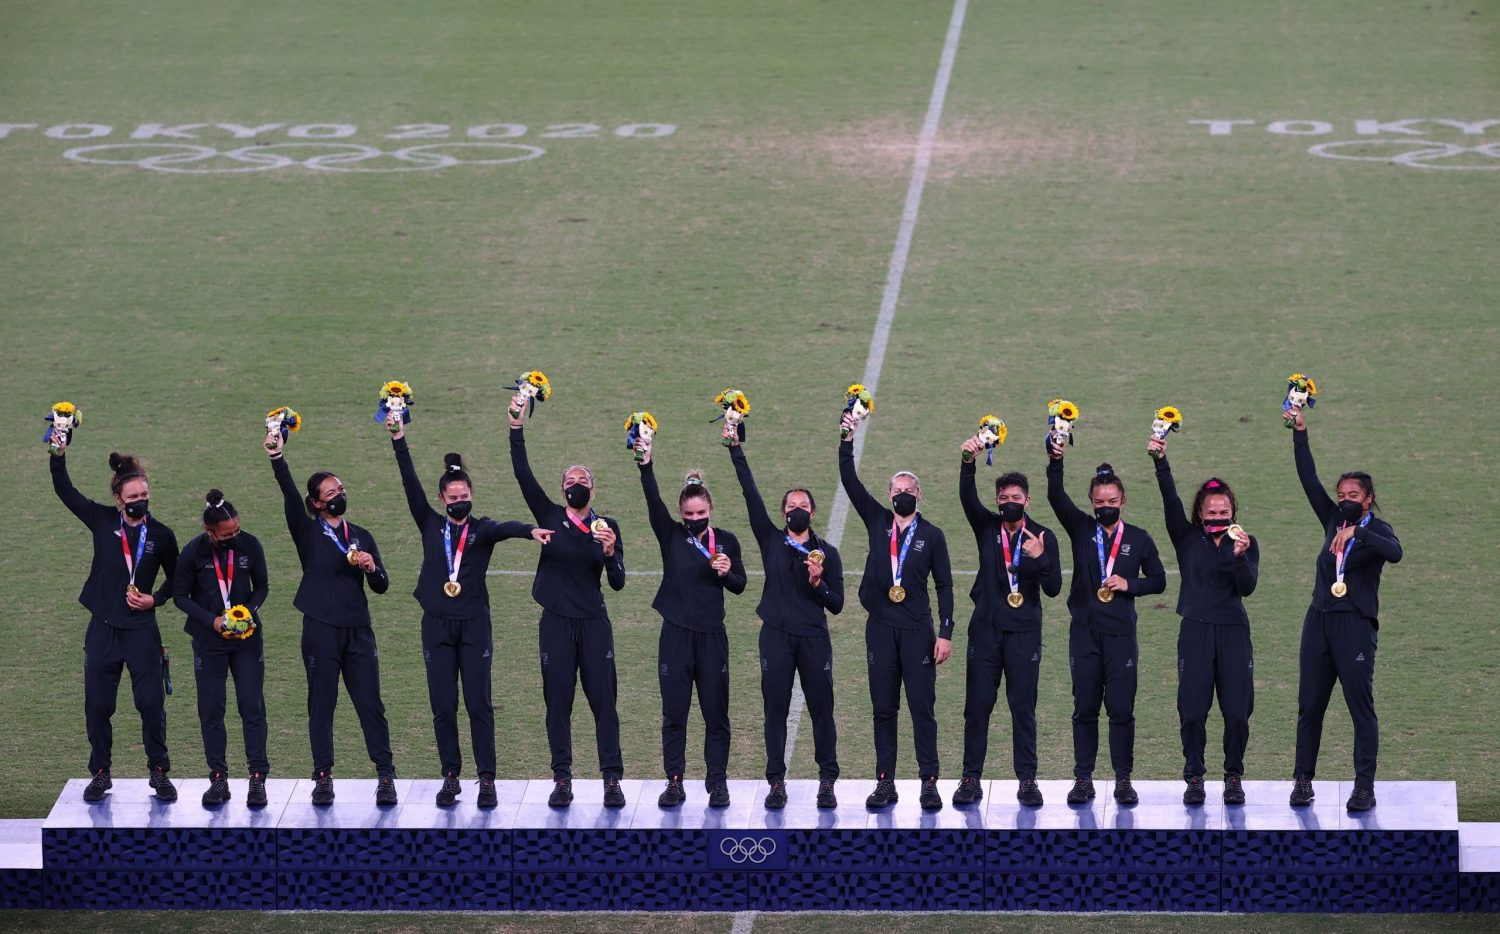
x=217, y=509
x=1104, y=475
x=694, y=488
x=453, y=472
x=126, y=468
x=313, y=483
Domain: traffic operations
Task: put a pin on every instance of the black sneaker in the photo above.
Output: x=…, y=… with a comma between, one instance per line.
x=447, y=795
x=718, y=794
x=562, y=793
x=969, y=791
x=1234, y=790
x=1125, y=792
x=673, y=795
x=1193, y=794
x=1029, y=793
x=97, y=786
x=613, y=796
x=776, y=797
x=826, y=798
x=385, y=792
x=322, y=793
x=1082, y=791
x=1363, y=798
x=929, y=798
x=165, y=790
x=487, y=796
x=257, y=796
x=883, y=795
x=218, y=790
x=1302, y=792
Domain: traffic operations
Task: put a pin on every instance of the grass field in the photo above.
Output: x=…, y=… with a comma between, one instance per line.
x=716, y=205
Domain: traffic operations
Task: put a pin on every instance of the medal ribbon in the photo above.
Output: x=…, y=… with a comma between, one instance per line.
x=797, y=545
x=454, y=555
x=226, y=577
x=899, y=562
x=708, y=552
x=343, y=546
x=140, y=548
x=1341, y=558
x=1106, y=569
x=583, y=527
x=1006, y=551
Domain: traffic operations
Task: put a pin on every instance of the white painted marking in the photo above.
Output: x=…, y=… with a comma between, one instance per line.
x=1300, y=127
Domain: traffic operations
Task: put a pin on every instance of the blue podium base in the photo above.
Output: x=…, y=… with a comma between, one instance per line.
x=130, y=851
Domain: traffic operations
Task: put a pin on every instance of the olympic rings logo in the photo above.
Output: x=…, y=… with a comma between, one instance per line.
x=1420, y=154
x=747, y=849
x=190, y=159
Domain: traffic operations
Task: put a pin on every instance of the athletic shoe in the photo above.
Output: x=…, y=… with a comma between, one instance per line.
x=385, y=792
x=1302, y=792
x=969, y=791
x=825, y=794
x=487, y=796
x=322, y=793
x=165, y=790
x=1029, y=793
x=98, y=785
x=613, y=796
x=257, y=796
x=218, y=790
x=1363, y=798
x=930, y=799
x=1234, y=790
x=447, y=795
x=776, y=797
x=562, y=793
x=1083, y=791
x=673, y=795
x=883, y=795
x=718, y=794
x=1124, y=792
x=1193, y=794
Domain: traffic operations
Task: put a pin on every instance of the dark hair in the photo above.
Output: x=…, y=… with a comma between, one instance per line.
x=313, y=482
x=1213, y=486
x=1014, y=478
x=453, y=472
x=218, y=508
x=797, y=489
x=1365, y=481
x=693, y=488
x=1104, y=475
x=126, y=469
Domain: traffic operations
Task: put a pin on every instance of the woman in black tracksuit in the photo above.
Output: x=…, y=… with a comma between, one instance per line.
x=1113, y=564
x=699, y=563
x=575, y=638
x=338, y=559
x=1339, y=631
x=1213, y=645
x=794, y=638
x=221, y=568
x=456, y=632
x=130, y=546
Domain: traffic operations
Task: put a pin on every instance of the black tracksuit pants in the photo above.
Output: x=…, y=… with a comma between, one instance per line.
x=899, y=657
x=454, y=649
x=783, y=656
x=1337, y=647
x=574, y=650
x=214, y=660
x=107, y=651
x=331, y=651
x=685, y=658
x=1104, y=670
x=1214, y=658
x=1017, y=656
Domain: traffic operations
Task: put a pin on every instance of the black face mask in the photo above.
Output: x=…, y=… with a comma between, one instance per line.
x=1215, y=526
x=904, y=503
x=224, y=544
x=798, y=520
x=577, y=495
x=336, y=506
x=1107, y=515
x=459, y=511
x=1351, y=511
x=1012, y=512
x=697, y=526
x=138, y=509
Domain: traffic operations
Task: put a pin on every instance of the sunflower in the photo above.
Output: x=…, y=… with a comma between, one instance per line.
x=295, y=419
x=64, y=408
x=1067, y=411
x=539, y=381
x=859, y=393
x=719, y=399
x=395, y=388
x=737, y=399
x=1312, y=387
x=993, y=423
x=1169, y=413
x=238, y=614
x=855, y=391
x=648, y=420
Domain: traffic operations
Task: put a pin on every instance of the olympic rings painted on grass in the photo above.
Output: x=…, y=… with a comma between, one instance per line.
x=1420, y=153
x=188, y=158
x=747, y=849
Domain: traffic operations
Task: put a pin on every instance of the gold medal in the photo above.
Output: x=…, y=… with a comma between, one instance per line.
x=1015, y=599
x=352, y=556
x=897, y=593
x=816, y=556
x=1105, y=595
x=1338, y=589
x=131, y=588
x=598, y=526
x=1236, y=533
x=452, y=588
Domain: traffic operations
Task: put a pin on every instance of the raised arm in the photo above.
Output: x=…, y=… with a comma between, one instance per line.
x=182, y=595
x=614, y=565
x=531, y=491
x=88, y=512
x=416, y=498
x=656, y=510
x=867, y=506
x=296, y=511
x=1070, y=516
x=1317, y=497
x=980, y=518
x=760, y=520
x=1177, y=521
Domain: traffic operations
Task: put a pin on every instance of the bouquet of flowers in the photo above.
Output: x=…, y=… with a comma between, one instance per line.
x=238, y=623
x=858, y=402
x=1061, y=414
x=1168, y=419
x=64, y=418
x=736, y=406
x=531, y=387
x=640, y=426
x=992, y=432
x=395, y=405
x=1300, y=391
x=283, y=422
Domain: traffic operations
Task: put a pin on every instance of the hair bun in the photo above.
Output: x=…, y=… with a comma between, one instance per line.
x=1104, y=470
x=693, y=478
x=453, y=462
x=214, y=498
x=123, y=463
